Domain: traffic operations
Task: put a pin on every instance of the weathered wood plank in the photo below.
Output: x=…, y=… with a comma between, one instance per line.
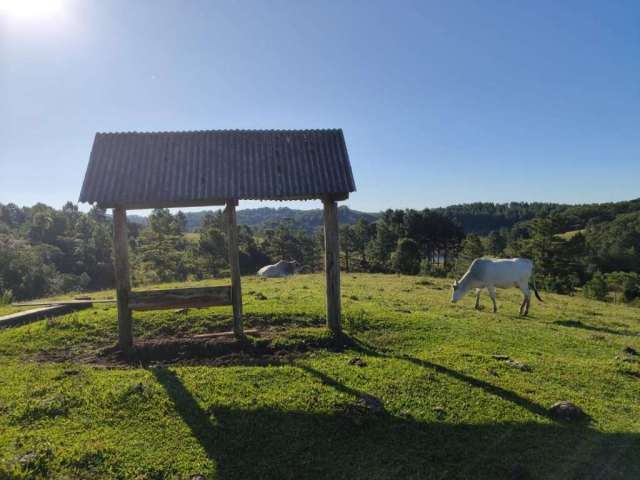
x=222, y=334
x=180, y=298
x=332, y=265
x=123, y=286
x=36, y=303
x=234, y=264
x=28, y=316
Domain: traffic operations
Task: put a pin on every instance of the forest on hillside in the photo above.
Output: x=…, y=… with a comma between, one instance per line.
x=261, y=218
x=595, y=248
x=481, y=217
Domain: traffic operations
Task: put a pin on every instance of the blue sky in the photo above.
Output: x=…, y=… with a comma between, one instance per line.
x=440, y=102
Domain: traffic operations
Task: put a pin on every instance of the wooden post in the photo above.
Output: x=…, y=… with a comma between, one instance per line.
x=234, y=263
x=123, y=286
x=332, y=264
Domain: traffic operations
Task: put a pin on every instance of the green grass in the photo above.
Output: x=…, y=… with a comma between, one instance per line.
x=450, y=409
x=192, y=236
x=570, y=234
x=9, y=309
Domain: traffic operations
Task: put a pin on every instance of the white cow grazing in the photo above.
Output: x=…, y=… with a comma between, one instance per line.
x=280, y=269
x=492, y=274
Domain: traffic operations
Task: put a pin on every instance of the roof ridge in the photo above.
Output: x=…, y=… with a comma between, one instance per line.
x=224, y=130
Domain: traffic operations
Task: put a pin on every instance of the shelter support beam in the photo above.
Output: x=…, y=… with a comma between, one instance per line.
x=332, y=265
x=123, y=285
x=234, y=264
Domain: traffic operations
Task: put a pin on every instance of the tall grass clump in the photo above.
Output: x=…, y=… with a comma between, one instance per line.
x=6, y=297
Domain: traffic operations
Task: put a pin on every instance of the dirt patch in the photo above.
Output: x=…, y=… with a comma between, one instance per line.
x=264, y=347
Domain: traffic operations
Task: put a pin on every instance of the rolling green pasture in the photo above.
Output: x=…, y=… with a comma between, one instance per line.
x=412, y=392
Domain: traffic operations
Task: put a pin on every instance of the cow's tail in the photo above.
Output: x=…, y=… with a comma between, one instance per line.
x=535, y=290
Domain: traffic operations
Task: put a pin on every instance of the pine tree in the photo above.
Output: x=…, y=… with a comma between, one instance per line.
x=496, y=243
x=471, y=249
x=406, y=258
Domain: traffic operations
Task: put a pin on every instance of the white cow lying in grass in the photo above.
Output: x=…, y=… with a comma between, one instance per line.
x=489, y=274
x=280, y=269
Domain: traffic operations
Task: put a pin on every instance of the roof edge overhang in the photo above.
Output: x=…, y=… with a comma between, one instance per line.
x=215, y=202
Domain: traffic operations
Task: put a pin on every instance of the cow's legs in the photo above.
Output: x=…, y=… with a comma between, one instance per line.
x=524, y=308
x=492, y=293
x=478, y=291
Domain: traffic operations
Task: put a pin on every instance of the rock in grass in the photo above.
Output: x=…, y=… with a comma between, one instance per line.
x=566, y=411
x=519, y=365
x=440, y=412
x=371, y=403
x=28, y=458
x=501, y=357
x=513, y=363
x=364, y=406
x=402, y=310
x=260, y=296
x=358, y=362
x=136, y=389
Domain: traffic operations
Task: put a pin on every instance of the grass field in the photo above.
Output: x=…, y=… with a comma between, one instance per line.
x=416, y=393
x=570, y=234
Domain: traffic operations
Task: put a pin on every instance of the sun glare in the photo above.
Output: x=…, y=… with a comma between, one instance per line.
x=31, y=9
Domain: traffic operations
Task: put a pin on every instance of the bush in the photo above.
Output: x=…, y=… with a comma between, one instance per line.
x=627, y=284
x=564, y=285
x=630, y=289
x=597, y=288
x=67, y=282
x=406, y=258
x=6, y=297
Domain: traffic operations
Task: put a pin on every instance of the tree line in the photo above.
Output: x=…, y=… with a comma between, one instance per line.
x=596, y=248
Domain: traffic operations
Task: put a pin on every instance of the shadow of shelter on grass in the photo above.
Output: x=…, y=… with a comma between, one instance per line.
x=503, y=393
x=584, y=326
x=281, y=444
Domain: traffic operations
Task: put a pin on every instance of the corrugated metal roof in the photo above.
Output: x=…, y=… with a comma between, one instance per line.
x=158, y=169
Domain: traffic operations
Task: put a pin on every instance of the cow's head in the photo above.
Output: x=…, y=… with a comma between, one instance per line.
x=456, y=292
x=290, y=266
x=295, y=265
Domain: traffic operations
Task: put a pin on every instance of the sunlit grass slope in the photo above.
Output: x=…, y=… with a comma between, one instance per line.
x=417, y=395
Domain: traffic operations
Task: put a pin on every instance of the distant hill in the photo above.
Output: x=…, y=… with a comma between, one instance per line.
x=483, y=217
x=260, y=218
x=308, y=220
x=479, y=217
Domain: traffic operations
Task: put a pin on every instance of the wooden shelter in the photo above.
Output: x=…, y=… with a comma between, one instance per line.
x=134, y=170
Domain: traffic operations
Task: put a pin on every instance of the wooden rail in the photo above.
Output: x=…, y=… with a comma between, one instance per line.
x=153, y=299
x=87, y=303
x=28, y=316
x=180, y=298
